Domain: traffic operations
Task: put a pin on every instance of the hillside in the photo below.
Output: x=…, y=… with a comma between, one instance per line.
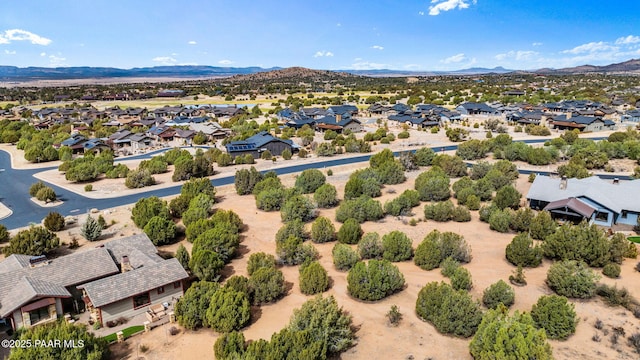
x=631, y=66
x=293, y=74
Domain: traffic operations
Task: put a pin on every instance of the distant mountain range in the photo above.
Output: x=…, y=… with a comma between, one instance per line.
x=13, y=73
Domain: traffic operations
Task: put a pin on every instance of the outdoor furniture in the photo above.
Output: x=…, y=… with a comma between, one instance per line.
x=155, y=312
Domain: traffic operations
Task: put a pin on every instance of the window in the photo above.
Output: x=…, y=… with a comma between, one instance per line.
x=177, y=285
x=602, y=216
x=141, y=300
x=624, y=214
x=38, y=315
x=160, y=290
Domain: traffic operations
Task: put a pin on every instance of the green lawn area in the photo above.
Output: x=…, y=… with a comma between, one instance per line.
x=635, y=239
x=126, y=332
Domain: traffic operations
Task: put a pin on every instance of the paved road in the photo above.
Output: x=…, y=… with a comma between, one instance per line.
x=14, y=188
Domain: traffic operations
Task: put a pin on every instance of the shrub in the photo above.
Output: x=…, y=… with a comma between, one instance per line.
x=374, y=280
x=501, y=336
x=160, y=230
x=88, y=187
x=441, y=211
x=461, y=214
x=613, y=296
x=183, y=256
x=461, y=279
x=266, y=155
x=229, y=310
x=582, y=242
x=326, y=196
x=310, y=180
x=572, y=279
x=396, y=246
x=313, y=278
x=33, y=189
x=518, y=278
x=498, y=293
x=206, y=265
x=260, y=260
x=522, y=252
x=611, y=270
x=322, y=230
x=433, y=185
x=146, y=208
x=229, y=346
x=499, y=220
x=286, y=154
x=297, y=207
x=394, y=316
x=521, y=220
x=542, y=225
x=53, y=222
x=91, y=229
x=266, y=285
x=344, y=257
x=361, y=209
x=46, y=194
x=293, y=228
x=438, y=246
x=449, y=311
x=245, y=180
x=555, y=315
x=4, y=234
x=370, y=246
x=449, y=266
x=350, y=232
x=33, y=241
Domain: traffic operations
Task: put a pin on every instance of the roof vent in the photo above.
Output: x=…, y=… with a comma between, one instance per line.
x=125, y=265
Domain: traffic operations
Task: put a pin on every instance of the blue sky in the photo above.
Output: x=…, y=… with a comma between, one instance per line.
x=327, y=34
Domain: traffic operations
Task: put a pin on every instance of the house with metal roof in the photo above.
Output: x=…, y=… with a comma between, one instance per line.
x=470, y=108
x=35, y=290
x=601, y=202
x=582, y=123
x=258, y=143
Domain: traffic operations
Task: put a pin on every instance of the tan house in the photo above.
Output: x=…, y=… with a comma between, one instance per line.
x=121, y=278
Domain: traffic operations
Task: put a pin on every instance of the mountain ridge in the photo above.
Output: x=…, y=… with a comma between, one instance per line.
x=14, y=73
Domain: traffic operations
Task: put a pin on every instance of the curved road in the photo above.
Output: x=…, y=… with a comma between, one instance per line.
x=15, y=183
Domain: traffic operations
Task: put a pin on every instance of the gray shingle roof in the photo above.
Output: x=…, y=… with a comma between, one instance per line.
x=27, y=289
x=109, y=290
x=605, y=193
x=14, y=262
x=138, y=248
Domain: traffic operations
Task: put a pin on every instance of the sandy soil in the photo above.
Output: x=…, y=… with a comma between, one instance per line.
x=376, y=340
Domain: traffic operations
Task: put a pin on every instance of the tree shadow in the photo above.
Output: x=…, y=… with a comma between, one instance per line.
x=256, y=313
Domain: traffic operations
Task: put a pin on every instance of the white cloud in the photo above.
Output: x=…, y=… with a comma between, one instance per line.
x=454, y=59
x=536, y=44
x=8, y=52
x=57, y=60
x=22, y=35
x=447, y=5
x=225, y=62
x=628, y=40
x=338, y=24
x=412, y=66
x=323, y=53
x=591, y=48
x=377, y=47
x=192, y=42
x=164, y=60
x=519, y=55
x=43, y=54
x=420, y=13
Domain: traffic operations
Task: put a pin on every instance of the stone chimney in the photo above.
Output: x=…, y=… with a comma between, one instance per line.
x=338, y=118
x=125, y=265
x=563, y=183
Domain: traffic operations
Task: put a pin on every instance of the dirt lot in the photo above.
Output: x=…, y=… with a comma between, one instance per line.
x=376, y=340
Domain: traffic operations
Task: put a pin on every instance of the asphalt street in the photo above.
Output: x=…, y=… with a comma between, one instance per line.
x=15, y=183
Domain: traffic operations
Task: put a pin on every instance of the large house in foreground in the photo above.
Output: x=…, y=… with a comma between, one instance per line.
x=601, y=202
x=120, y=278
